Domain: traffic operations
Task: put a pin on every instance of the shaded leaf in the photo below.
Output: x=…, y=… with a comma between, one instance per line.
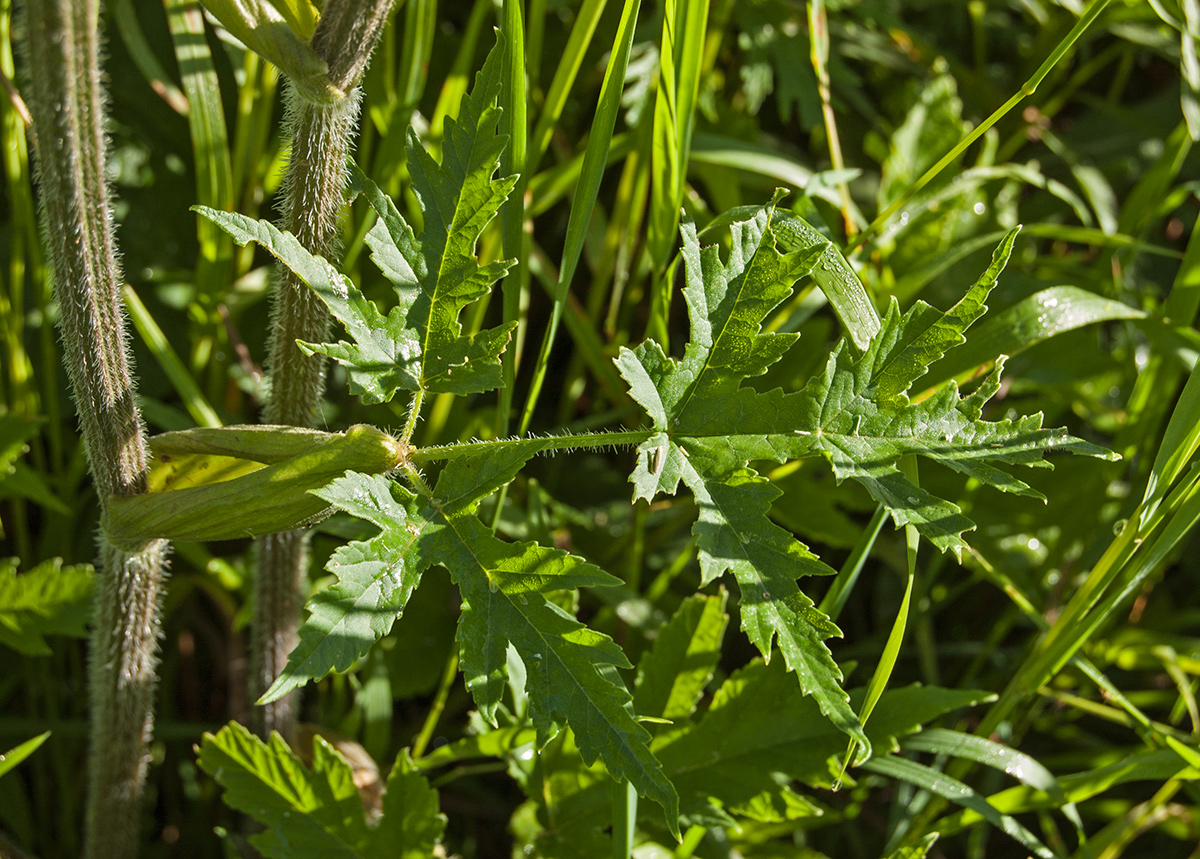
x=50, y=599
x=307, y=813
x=412, y=824
x=673, y=673
x=760, y=724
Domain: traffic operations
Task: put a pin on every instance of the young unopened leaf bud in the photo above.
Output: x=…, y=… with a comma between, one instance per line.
x=243, y=481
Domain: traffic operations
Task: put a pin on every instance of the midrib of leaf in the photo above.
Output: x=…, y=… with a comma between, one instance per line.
x=745, y=279
x=600, y=729
x=764, y=246
x=448, y=227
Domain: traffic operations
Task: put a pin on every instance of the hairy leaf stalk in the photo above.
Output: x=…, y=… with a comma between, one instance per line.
x=67, y=104
x=321, y=133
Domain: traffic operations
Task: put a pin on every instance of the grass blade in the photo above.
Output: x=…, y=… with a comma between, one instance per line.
x=515, y=288
x=680, y=59
x=12, y=757
x=573, y=55
x=586, y=191
x=160, y=347
x=954, y=790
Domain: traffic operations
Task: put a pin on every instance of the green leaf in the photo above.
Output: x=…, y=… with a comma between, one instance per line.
x=760, y=724
x=727, y=303
x=419, y=344
x=12, y=757
x=915, y=851
x=16, y=478
x=459, y=197
x=412, y=824
x=569, y=668
x=307, y=813
x=15, y=431
x=840, y=416
x=385, y=354
x=375, y=580
x=959, y=793
x=437, y=274
x=50, y=599
x=1043, y=315
x=926, y=335
x=319, y=812
x=673, y=673
x=857, y=414
x=570, y=674
x=376, y=577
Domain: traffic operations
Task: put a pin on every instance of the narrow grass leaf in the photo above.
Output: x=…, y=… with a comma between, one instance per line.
x=680, y=60
x=1032, y=320
x=835, y=277
x=954, y=790
x=14, y=756
x=591, y=172
x=915, y=851
x=160, y=347
x=573, y=54
x=1179, y=442
x=512, y=101
x=134, y=38
x=210, y=148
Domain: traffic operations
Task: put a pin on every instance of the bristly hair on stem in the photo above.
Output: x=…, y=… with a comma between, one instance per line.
x=320, y=135
x=62, y=53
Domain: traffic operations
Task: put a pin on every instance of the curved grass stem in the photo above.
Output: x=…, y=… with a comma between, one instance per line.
x=1027, y=89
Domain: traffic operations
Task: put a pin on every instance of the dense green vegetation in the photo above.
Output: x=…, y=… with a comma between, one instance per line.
x=791, y=410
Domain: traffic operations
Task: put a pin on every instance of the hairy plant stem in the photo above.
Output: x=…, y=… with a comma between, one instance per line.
x=320, y=133
x=67, y=104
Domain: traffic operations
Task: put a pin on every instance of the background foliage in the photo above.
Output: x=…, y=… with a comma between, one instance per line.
x=1096, y=308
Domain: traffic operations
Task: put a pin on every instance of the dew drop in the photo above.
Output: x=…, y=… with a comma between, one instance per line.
x=836, y=786
x=979, y=208
x=493, y=585
x=912, y=499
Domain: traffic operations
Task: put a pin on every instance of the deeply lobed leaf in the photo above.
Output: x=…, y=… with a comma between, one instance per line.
x=418, y=345
x=319, y=811
x=569, y=668
x=856, y=413
x=727, y=304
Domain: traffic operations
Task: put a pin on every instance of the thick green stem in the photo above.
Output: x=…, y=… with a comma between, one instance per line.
x=67, y=104
x=316, y=178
